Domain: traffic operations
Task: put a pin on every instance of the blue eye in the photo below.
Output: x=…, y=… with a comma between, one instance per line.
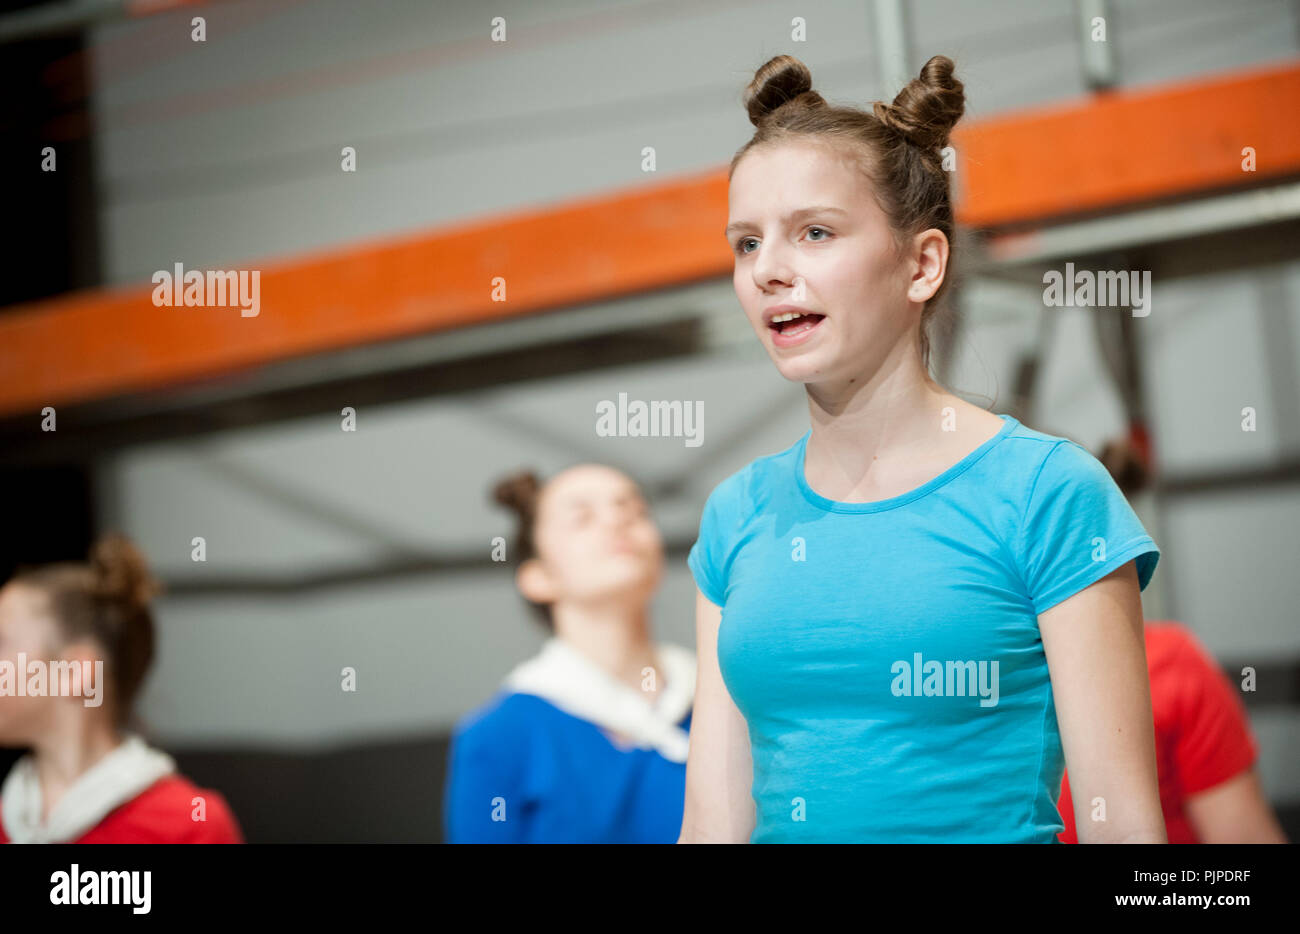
x=741, y=245
x=822, y=229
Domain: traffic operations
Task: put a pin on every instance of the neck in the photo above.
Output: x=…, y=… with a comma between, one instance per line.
x=891, y=410
x=63, y=754
x=616, y=637
x=891, y=402
x=876, y=431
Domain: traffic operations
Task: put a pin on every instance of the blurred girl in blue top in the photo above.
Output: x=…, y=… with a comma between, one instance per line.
x=910, y=619
x=585, y=742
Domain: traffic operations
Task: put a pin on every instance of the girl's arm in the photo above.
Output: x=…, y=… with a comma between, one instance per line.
x=1096, y=656
x=1234, y=811
x=719, y=770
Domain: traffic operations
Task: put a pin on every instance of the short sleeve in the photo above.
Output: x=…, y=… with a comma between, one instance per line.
x=710, y=556
x=1213, y=742
x=1077, y=528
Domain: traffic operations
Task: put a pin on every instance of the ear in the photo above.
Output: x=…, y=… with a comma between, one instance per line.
x=930, y=255
x=534, y=582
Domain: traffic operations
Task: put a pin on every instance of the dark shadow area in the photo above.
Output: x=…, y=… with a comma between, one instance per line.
x=375, y=793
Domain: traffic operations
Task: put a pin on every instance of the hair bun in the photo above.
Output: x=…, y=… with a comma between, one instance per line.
x=926, y=110
x=1126, y=465
x=121, y=572
x=518, y=491
x=776, y=83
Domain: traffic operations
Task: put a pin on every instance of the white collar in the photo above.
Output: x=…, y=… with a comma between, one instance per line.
x=111, y=782
x=568, y=679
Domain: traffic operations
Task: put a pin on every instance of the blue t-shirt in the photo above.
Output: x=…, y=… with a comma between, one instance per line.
x=521, y=770
x=886, y=655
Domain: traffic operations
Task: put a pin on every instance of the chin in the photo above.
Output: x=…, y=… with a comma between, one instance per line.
x=634, y=582
x=799, y=371
x=636, y=579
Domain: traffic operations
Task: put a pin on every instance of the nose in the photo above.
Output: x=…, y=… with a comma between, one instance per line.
x=772, y=267
x=619, y=518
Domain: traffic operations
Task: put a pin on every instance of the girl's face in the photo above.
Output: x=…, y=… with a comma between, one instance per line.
x=805, y=230
x=595, y=538
x=24, y=627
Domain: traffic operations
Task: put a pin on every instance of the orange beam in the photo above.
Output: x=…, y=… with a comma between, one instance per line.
x=99, y=343
x=1113, y=149
x=1120, y=147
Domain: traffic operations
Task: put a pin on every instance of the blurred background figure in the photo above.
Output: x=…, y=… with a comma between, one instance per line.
x=1205, y=751
x=87, y=779
x=586, y=742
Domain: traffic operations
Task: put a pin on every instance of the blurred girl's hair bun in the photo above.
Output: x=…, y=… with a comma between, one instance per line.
x=518, y=492
x=1126, y=466
x=778, y=82
x=121, y=572
x=925, y=111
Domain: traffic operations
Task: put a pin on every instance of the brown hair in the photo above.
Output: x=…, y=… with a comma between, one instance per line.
x=520, y=492
x=105, y=599
x=897, y=146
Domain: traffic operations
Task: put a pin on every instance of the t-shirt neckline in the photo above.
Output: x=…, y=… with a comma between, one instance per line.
x=880, y=505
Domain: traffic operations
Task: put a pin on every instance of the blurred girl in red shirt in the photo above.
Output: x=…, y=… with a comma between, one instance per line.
x=1205, y=752
x=87, y=779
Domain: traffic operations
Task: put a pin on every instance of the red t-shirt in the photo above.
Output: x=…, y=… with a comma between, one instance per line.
x=1202, y=734
x=163, y=813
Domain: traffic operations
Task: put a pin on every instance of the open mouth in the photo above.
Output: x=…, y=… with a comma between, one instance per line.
x=797, y=325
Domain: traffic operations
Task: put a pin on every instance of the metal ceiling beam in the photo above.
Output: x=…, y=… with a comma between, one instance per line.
x=1146, y=227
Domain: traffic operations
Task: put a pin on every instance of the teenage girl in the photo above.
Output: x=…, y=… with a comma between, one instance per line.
x=585, y=742
x=87, y=779
x=910, y=619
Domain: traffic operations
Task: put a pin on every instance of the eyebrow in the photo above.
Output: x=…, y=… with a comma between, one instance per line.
x=792, y=216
